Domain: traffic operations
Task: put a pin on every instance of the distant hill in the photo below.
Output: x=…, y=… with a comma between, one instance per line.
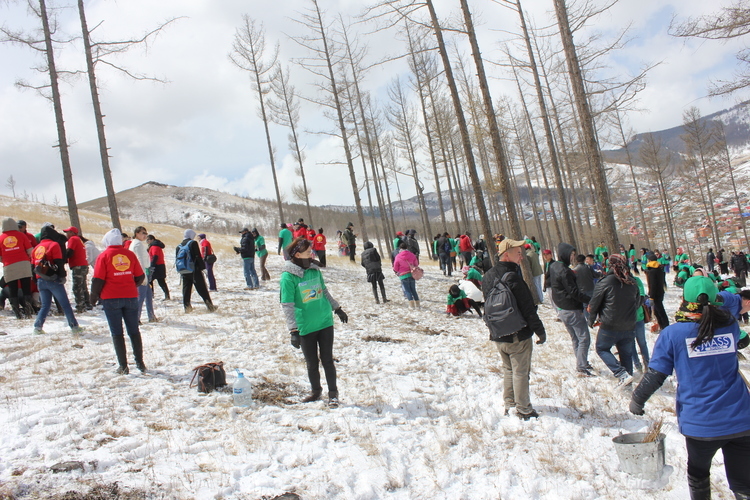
x=201, y=208
x=736, y=122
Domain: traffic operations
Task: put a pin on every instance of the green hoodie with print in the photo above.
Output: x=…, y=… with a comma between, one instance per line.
x=305, y=291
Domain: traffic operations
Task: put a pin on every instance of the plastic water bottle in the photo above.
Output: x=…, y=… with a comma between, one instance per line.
x=242, y=391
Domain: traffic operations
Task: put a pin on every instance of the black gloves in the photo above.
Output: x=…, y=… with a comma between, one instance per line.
x=295, y=338
x=636, y=408
x=649, y=384
x=542, y=338
x=342, y=315
x=237, y=249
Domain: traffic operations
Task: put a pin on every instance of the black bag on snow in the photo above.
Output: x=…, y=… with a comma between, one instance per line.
x=210, y=376
x=501, y=314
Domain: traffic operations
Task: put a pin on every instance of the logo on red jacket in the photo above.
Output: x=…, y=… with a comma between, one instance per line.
x=39, y=252
x=10, y=241
x=121, y=262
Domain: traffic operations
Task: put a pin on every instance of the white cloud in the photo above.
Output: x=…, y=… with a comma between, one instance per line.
x=202, y=127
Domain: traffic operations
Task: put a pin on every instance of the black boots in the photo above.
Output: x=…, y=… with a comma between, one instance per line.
x=16, y=308
x=122, y=355
x=137, y=344
x=700, y=489
x=314, y=396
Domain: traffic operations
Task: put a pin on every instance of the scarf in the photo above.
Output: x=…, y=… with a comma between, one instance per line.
x=619, y=267
x=689, y=312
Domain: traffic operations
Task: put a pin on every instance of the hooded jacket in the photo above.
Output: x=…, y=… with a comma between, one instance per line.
x=615, y=303
x=247, y=246
x=305, y=300
x=524, y=299
x=655, y=280
x=370, y=259
x=565, y=292
x=195, y=251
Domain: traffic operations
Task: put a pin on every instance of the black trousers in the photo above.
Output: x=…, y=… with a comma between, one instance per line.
x=660, y=313
x=321, y=257
x=195, y=279
x=160, y=276
x=322, y=341
x=352, y=252
x=736, y=460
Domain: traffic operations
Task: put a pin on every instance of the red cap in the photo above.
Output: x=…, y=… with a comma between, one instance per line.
x=399, y=233
x=71, y=229
x=547, y=251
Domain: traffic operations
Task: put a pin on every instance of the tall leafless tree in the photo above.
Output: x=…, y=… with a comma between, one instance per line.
x=249, y=53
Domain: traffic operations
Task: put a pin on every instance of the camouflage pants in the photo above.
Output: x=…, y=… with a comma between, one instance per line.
x=80, y=287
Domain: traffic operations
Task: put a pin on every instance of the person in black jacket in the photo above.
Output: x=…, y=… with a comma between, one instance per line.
x=569, y=301
x=195, y=278
x=515, y=349
x=615, y=302
x=247, y=252
x=444, y=249
x=370, y=260
x=585, y=279
x=655, y=281
x=710, y=260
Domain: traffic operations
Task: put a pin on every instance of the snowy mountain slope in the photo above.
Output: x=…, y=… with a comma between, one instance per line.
x=421, y=416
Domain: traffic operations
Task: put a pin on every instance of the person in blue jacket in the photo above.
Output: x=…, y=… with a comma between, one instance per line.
x=713, y=402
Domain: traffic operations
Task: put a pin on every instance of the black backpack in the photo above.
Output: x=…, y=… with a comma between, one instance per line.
x=501, y=314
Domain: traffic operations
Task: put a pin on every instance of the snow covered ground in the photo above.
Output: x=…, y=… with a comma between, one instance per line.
x=421, y=415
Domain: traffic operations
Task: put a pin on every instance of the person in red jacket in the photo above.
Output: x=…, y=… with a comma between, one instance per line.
x=15, y=252
x=79, y=266
x=156, y=253
x=49, y=266
x=29, y=236
x=206, y=250
x=117, y=275
x=300, y=229
x=319, y=247
x=466, y=247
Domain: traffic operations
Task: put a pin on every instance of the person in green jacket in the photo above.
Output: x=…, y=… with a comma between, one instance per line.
x=599, y=252
x=307, y=306
x=640, y=331
x=285, y=239
x=262, y=253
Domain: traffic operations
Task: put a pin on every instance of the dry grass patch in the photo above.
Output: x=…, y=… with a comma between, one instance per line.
x=429, y=331
x=158, y=426
x=382, y=338
x=273, y=393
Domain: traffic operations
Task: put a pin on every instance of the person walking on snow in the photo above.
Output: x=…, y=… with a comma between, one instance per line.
x=51, y=283
x=285, y=239
x=206, y=252
x=515, y=349
x=145, y=293
x=319, y=247
x=15, y=254
x=569, y=300
x=614, y=305
x=371, y=261
x=117, y=275
x=403, y=264
x=247, y=252
x=196, y=277
x=79, y=268
x=307, y=305
x=156, y=253
x=262, y=253
x=713, y=402
x=350, y=239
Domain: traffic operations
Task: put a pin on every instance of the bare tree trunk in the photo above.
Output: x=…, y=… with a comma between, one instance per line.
x=635, y=181
x=57, y=104
x=740, y=210
x=603, y=202
x=249, y=46
x=99, y=117
x=466, y=141
x=570, y=235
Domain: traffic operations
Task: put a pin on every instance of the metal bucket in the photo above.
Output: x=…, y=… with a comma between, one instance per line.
x=645, y=460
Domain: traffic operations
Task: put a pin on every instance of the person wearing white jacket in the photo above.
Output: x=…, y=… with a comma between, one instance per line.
x=140, y=249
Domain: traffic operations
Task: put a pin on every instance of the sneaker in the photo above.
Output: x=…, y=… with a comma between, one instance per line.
x=527, y=416
x=141, y=366
x=625, y=380
x=585, y=373
x=122, y=370
x=77, y=330
x=188, y=309
x=154, y=320
x=39, y=331
x=314, y=396
x=333, y=399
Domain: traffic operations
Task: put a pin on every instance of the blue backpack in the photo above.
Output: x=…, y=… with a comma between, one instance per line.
x=184, y=261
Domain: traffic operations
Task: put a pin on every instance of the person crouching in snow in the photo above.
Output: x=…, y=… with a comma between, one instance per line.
x=459, y=303
x=307, y=305
x=370, y=260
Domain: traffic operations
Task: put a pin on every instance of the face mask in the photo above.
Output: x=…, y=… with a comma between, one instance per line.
x=303, y=263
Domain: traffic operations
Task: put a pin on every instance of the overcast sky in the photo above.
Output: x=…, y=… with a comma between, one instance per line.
x=202, y=129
